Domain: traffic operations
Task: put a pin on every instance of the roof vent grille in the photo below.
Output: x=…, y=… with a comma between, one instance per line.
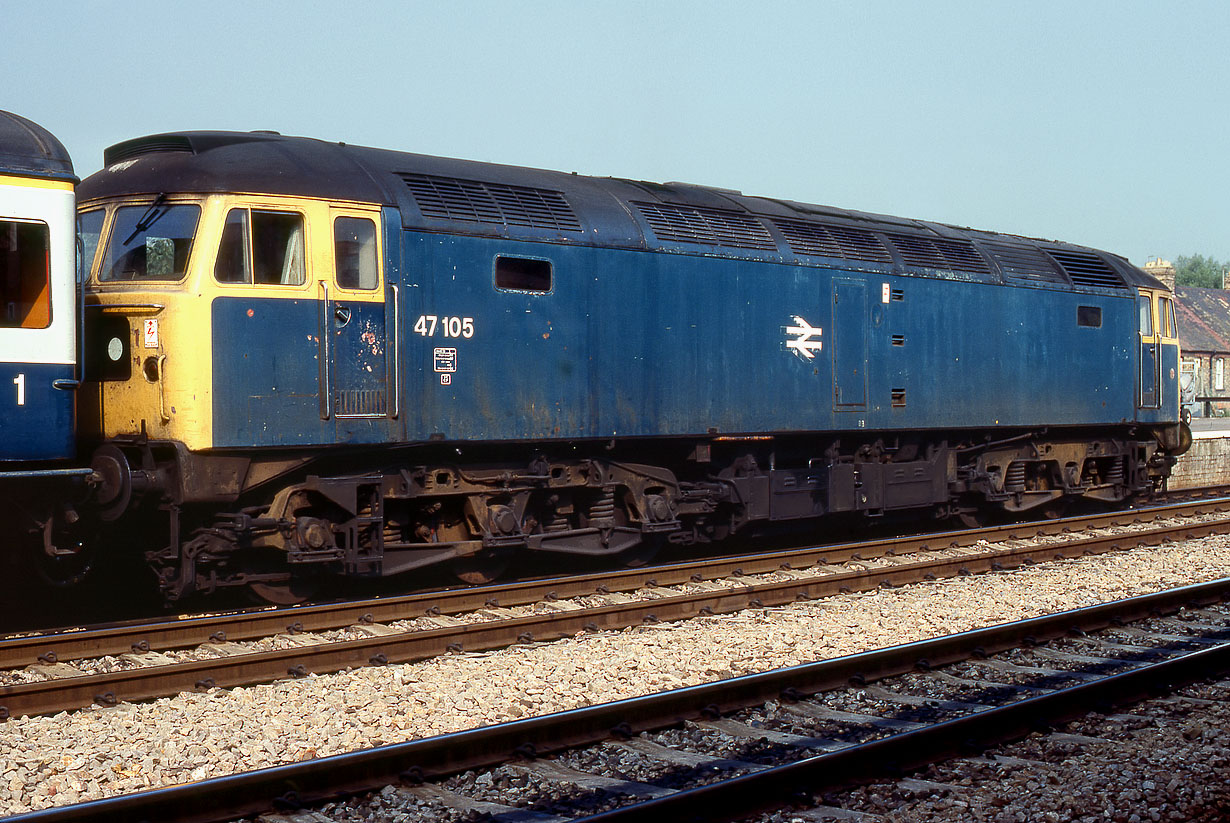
x=825, y=240
x=1023, y=265
x=474, y=201
x=674, y=223
x=934, y=253
x=1087, y=269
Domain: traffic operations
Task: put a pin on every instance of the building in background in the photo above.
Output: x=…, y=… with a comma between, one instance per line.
x=1204, y=338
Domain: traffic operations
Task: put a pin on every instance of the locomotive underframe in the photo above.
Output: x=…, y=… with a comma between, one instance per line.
x=279, y=517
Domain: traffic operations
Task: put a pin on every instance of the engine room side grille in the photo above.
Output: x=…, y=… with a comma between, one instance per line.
x=1023, y=265
x=360, y=402
x=674, y=223
x=824, y=240
x=934, y=253
x=474, y=201
x=1087, y=269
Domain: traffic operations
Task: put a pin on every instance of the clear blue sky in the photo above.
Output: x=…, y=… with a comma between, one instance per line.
x=1101, y=123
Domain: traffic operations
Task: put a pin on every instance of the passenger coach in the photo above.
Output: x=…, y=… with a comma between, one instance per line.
x=38, y=300
x=373, y=361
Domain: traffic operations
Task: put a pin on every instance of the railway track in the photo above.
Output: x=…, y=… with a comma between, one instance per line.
x=738, y=747
x=565, y=607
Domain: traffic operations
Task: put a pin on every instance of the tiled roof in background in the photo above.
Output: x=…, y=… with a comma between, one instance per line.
x=1204, y=319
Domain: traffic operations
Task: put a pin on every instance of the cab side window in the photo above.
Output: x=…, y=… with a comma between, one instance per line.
x=89, y=232
x=262, y=247
x=354, y=249
x=1165, y=315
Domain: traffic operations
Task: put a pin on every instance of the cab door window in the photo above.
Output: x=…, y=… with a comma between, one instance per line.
x=1145, y=306
x=354, y=250
x=261, y=247
x=25, y=275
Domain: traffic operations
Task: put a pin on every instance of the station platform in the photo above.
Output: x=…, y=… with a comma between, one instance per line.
x=1207, y=462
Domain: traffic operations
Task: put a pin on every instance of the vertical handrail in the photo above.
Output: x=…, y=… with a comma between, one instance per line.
x=162, y=389
x=326, y=390
x=395, y=408
x=82, y=276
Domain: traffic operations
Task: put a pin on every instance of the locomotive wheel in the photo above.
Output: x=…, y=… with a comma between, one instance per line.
x=479, y=569
x=1056, y=509
x=643, y=553
x=283, y=593
x=972, y=520
x=60, y=559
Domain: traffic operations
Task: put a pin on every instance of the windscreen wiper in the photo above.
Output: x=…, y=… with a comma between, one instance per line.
x=151, y=216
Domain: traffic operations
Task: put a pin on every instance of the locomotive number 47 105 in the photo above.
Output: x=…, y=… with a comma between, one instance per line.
x=427, y=324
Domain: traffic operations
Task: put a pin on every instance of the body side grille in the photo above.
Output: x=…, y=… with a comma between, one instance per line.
x=474, y=201
x=1022, y=265
x=674, y=223
x=936, y=253
x=1087, y=269
x=825, y=240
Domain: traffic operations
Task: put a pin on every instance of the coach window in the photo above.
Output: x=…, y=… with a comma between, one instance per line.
x=25, y=275
x=354, y=253
x=262, y=247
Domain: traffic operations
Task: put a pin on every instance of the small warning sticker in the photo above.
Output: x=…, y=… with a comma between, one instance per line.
x=446, y=360
x=151, y=334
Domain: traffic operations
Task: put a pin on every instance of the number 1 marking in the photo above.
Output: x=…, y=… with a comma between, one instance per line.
x=20, y=382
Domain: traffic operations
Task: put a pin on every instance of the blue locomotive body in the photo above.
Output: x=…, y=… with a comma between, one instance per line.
x=642, y=344
x=390, y=360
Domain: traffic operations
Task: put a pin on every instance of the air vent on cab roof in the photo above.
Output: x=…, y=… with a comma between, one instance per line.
x=194, y=142
x=146, y=145
x=475, y=201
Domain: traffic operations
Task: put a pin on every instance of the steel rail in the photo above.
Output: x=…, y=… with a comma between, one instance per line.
x=907, y=751
x=176, y=633
x=147, y=682
x=324, y=779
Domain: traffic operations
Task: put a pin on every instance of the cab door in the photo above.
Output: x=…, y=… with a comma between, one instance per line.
x=353, y=306
x=1169, y=388
x=1149, y=376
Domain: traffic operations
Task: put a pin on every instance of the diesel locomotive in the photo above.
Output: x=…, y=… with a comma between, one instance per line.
x=305, y=360
x=309, y=359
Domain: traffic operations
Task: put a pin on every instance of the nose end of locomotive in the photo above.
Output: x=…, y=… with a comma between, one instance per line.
x=1175, y=439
